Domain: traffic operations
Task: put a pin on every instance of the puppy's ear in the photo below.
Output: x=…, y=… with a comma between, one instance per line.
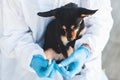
x=69, y=5
x=50, y=13
x=86, y=12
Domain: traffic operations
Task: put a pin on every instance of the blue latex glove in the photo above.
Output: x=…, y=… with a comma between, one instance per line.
x=73, y=64
x=42, y=66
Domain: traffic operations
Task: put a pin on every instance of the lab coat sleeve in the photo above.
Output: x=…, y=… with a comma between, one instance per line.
x=17, y=41
x=98, y=25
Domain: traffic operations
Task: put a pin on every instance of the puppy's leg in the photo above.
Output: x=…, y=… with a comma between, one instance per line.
x=70, y=51
x=51, y=54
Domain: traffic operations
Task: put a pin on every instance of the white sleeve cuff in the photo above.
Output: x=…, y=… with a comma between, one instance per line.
x=86, y=39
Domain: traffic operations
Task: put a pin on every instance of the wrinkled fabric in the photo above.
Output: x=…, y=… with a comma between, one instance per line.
x=23, y=37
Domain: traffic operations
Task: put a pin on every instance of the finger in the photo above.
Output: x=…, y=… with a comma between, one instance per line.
x=65, y=62
x=64, y=72
x=72, y=66
x=77, y=69
x=45, y=71
x=51, y=74
x=37, y=63
x=53, y=71
x=50, y=69
x=56, y=67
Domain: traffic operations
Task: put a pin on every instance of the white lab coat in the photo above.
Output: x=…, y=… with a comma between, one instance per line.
x=23, y=36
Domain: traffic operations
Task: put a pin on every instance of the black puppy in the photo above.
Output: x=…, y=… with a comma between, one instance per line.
x=66, y=28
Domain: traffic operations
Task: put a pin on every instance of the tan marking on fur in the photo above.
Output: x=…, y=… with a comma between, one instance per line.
x=80, y=21
x=82, y=32
x=74, y=34
x=64, y=40
x=70, y=51
x=64, y=27
x=72, y=27
x=84, y=15
x=53, y=17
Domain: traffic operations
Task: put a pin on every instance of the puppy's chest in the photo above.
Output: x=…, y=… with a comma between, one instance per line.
x=61, y=39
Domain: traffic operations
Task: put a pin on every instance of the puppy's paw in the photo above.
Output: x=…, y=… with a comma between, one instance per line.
x=52, y=55
x=70, y=50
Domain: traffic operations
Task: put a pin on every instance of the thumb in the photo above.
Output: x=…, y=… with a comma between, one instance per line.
x=50, y=69
x=53, y=71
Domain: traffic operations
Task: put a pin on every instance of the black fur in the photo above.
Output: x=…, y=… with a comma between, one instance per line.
x=67, y=16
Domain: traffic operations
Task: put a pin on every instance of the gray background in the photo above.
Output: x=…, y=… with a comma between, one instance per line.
x=111, y=52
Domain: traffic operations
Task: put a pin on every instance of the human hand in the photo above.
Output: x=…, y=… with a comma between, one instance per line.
x=73, y=64
x=42, y=66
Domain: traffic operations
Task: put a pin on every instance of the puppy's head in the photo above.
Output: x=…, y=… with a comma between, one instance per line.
x=70, y=18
